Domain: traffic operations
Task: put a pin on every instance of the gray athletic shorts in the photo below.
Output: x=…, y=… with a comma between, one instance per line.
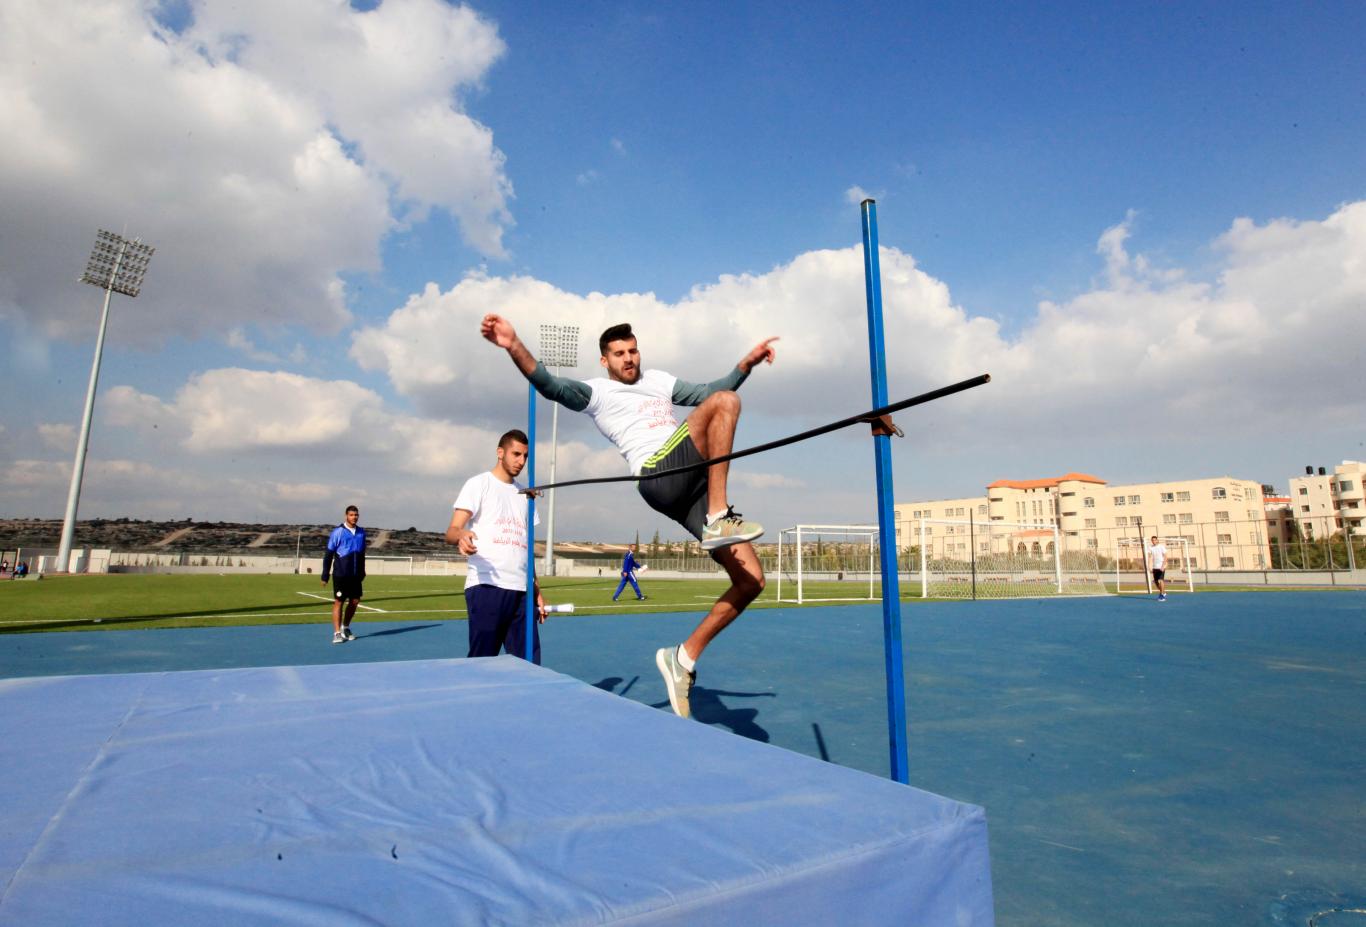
x=683, y=496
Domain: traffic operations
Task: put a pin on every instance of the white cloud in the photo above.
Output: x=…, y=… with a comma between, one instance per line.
x=263, y=151
x=1145, y=348
x=237, y=340
x=58, y=437
x=855, y=195
x=587, y=178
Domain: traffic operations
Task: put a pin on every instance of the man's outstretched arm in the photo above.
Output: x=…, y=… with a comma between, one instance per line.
x=692, y=394
x=573, y=394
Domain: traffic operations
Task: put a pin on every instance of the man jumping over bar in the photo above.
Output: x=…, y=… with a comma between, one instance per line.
x=633, y=408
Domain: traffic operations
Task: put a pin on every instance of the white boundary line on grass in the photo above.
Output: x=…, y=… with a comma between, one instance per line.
x=314, y=595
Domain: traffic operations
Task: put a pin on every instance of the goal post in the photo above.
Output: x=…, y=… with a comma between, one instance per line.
x=827, y=563
x=1132, y=567
x=1000, y=560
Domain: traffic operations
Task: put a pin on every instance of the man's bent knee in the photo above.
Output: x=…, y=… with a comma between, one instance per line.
x=748, y=586
x=724, y=400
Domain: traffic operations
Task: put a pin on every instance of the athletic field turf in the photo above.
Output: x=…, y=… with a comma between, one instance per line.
x=124, y=601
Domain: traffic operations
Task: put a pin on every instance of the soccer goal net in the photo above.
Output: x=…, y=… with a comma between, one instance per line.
x=1133, y=565
x=441, y=566
x=1001, y=560
x=827, y=563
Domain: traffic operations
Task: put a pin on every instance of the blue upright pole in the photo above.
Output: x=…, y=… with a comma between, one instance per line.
x=886, y=511
x=530, y=478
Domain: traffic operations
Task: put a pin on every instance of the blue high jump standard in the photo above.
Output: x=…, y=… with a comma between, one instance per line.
x=485, y=791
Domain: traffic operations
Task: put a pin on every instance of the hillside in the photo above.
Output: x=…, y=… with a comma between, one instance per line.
x=126, y=534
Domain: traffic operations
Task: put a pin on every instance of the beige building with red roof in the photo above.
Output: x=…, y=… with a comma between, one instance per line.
x=1222, y=519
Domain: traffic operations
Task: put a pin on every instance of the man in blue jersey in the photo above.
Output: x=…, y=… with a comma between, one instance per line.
x=628, y=573
x=634, y=409
x=345, y=561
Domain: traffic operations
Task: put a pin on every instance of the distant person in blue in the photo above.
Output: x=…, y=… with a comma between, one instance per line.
x=628, y=573
x=345, y=562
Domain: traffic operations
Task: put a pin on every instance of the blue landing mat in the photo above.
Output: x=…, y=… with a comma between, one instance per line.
x=450, y=792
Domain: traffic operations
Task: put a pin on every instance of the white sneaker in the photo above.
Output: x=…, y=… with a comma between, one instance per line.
x=346, y=632
x=730, y=528
x=338, y=637
x=677, y=681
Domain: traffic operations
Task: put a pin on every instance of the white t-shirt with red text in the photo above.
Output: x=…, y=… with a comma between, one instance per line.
x=637, y=417
x=498, y=520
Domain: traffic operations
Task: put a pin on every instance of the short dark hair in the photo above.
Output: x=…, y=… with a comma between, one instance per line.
x=620, y=332
x=352, y=508
x=515, y=434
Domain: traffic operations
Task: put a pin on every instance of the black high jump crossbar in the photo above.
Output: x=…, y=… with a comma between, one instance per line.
x=875, y=417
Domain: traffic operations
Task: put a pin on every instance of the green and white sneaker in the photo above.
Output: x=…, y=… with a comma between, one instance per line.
x=730, y=528
x=677, y=681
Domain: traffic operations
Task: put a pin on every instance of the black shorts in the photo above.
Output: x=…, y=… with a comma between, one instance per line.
x=1159, y=574
x=346, y=588
x=683, y=496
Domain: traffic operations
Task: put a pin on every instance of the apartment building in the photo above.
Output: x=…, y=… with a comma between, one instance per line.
x=1280, y=519
x=1324, y=504
x=1222, y=519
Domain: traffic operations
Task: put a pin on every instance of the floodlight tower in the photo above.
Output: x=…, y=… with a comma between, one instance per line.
x=559, y=348
x=117, y=265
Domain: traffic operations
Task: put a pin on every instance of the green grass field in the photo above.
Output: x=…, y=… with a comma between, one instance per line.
x=114, y=601
x=58, y=603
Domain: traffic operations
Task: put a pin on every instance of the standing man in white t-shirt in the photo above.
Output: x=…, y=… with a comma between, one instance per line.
x=489, y=527
x=633, y=408
x=1157, y=558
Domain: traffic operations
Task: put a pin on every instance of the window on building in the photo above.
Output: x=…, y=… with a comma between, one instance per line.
x=1186, y=518
x=981, y=510
x=1168, y=497
x=1119, y=500
x=1221, y=516
x=1169, y=518
x=1251, y=514
x=1090, y=542
x=1135, y=500
x=1218, y=492
x=1121, y=521
x=1304, y=490
x=1344, y=485
x=1183, y=497
x=1089, y=502
x=1225, y=562
x=1225, y=539
x=1303, y=508
x=1090, y=523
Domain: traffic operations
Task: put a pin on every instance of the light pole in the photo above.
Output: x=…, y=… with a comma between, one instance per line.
x=116, y=266
x=559, y=348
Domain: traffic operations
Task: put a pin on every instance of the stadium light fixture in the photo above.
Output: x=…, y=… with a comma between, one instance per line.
x=559, y=348
x=116, y=265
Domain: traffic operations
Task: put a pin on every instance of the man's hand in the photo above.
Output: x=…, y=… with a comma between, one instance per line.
x=464, y=541
x=540, y=606
x=498, y=330
x=763, y=351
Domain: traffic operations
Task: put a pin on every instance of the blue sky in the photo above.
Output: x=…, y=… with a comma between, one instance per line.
x=1147, y=221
